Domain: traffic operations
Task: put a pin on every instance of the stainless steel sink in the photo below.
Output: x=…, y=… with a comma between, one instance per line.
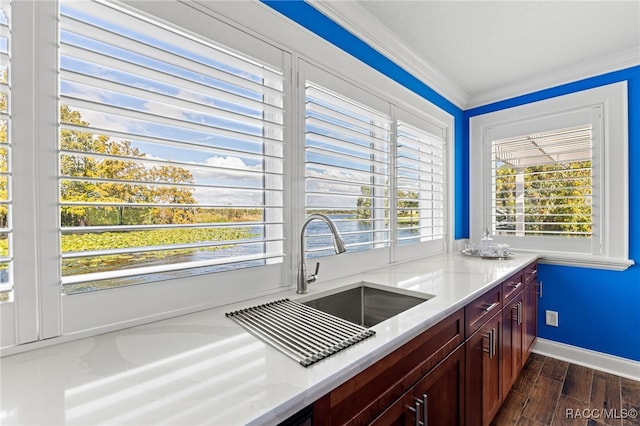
x=366, y=305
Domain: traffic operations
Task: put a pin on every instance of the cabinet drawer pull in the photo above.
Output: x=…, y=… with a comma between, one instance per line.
x=493, y=344
x=416, y=410
x=487, y=308
x=491, y=350
x=425, y=409
x=515, y=285
x=519, y=311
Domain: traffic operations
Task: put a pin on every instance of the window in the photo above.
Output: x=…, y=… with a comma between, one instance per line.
x=364, y=155
x=6, y=285
x=554, y=177
x=347, y=171
x=421, y=184
x=542, y=184
x=171, y=152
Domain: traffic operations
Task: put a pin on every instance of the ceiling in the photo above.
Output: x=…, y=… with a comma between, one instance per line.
x=477, y=52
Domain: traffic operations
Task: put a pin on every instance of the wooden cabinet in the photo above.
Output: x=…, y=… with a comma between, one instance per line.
x=456, y=372
x=483, y=386
x=438, y=397
x=497, y=351
x=363, y=398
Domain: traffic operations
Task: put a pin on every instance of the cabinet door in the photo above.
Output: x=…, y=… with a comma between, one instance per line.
x=530, y=317
x=441, y=392
x=512, y=341
x=484, y=390
x=438, y=397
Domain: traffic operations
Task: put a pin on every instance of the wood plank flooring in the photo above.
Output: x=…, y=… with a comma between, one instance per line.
x=553, y=392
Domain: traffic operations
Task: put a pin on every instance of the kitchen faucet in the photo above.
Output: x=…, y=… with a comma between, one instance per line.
x=338, y=244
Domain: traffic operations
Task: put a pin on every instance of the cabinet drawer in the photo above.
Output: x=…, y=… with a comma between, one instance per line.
x=511, y=286
x=480, y=310
x=530, y=273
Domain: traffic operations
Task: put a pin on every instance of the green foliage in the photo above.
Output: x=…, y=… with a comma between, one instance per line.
x=130, y=239
x=405, y=204
x=154, y=187
x=364, y=203
x=123, y=178
x=556, y=198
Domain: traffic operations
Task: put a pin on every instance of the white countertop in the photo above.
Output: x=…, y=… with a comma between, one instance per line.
x=204, y=368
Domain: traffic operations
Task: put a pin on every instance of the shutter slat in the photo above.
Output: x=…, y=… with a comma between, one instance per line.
x=116, y=88
x=343, y=134
x=187, y=145
x=315, y=139
x=154, y=161
x=159, y=269
x=332, y=114
x=156, y=118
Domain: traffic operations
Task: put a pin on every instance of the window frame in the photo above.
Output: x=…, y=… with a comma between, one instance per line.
x=158, y=300
x=440, y=131
x=46, y=316
x=260, y=125
x=609, y=249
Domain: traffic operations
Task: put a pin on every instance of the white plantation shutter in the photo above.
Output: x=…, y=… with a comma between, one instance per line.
x=543, y=184
x=420, y=182
x=347, y=169
x=6, y=254
x=171, y=152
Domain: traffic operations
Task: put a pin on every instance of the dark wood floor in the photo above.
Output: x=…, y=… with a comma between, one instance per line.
x=553, y=392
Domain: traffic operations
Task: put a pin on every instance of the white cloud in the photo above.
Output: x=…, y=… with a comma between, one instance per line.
x=228, y=197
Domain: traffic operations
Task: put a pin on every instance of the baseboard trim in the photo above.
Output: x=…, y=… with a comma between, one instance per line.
x=588, y=358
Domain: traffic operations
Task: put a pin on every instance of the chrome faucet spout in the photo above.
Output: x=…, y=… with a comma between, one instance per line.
x=338, y=244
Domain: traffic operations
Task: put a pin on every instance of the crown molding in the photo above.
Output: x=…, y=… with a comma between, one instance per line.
x=367, y=28
x=579, y=71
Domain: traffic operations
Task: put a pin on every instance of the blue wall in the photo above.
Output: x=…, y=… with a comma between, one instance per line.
x=598, y=310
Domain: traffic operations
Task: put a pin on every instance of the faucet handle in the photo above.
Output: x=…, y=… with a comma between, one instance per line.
x=311, y=278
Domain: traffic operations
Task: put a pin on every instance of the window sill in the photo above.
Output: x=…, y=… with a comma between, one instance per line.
x=583, y=261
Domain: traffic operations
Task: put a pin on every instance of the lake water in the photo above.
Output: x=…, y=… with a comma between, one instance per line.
x=357, y=234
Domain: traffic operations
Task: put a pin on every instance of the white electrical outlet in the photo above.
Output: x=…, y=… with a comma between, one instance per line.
x=552, y=318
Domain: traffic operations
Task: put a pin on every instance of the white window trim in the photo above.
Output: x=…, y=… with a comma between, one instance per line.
x=612, y=99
